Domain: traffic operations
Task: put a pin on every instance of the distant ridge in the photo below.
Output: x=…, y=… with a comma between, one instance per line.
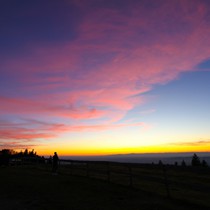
x=167, y=158
x=167, y=154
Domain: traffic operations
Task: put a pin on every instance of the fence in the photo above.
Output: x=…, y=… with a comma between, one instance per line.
x=171, y=181
x=167, y=180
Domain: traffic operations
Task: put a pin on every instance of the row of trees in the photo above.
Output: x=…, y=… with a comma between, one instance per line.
x=11, y=152
x=7, y=154
x=195, y=161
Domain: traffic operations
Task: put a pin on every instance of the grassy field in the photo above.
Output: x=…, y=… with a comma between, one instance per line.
x=190, y=184
x=26, y=187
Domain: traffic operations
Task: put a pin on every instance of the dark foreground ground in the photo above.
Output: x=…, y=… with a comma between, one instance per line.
x=33, y=188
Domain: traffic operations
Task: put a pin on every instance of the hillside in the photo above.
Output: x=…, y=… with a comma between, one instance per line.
x=27, y=187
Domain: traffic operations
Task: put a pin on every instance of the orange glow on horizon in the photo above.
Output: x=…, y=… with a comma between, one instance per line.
x=112, y=151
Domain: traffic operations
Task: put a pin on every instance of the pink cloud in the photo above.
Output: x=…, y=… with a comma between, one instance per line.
x=104, y=71
x=17, y=145
x=48, y=107
x=28, y=133
x=20, y=133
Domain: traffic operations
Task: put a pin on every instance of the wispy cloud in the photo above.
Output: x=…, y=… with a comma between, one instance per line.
x=118, y=54
x=17, y=145
x=30, y=130
x=146, y=112
x=193, y=143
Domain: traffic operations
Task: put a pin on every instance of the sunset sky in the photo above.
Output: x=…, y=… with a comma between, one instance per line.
x=95, y=77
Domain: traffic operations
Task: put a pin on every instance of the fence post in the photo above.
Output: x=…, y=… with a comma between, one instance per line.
x=71, y=167
x=108, y=172
x=166, y=182
x=87, y=169
x=130, y=176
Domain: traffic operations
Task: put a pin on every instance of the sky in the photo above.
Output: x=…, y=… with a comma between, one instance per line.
x=104, y=77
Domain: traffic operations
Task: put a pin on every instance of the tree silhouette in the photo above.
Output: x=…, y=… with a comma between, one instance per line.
x=204, y=163
x=183, y=163
x=195, y=160
x=26, y=152
x=160, y=163
x=5, y=155
x=8, y=156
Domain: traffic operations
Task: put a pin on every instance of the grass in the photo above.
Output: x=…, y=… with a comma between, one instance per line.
x=184, y=183
x=27, y=187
